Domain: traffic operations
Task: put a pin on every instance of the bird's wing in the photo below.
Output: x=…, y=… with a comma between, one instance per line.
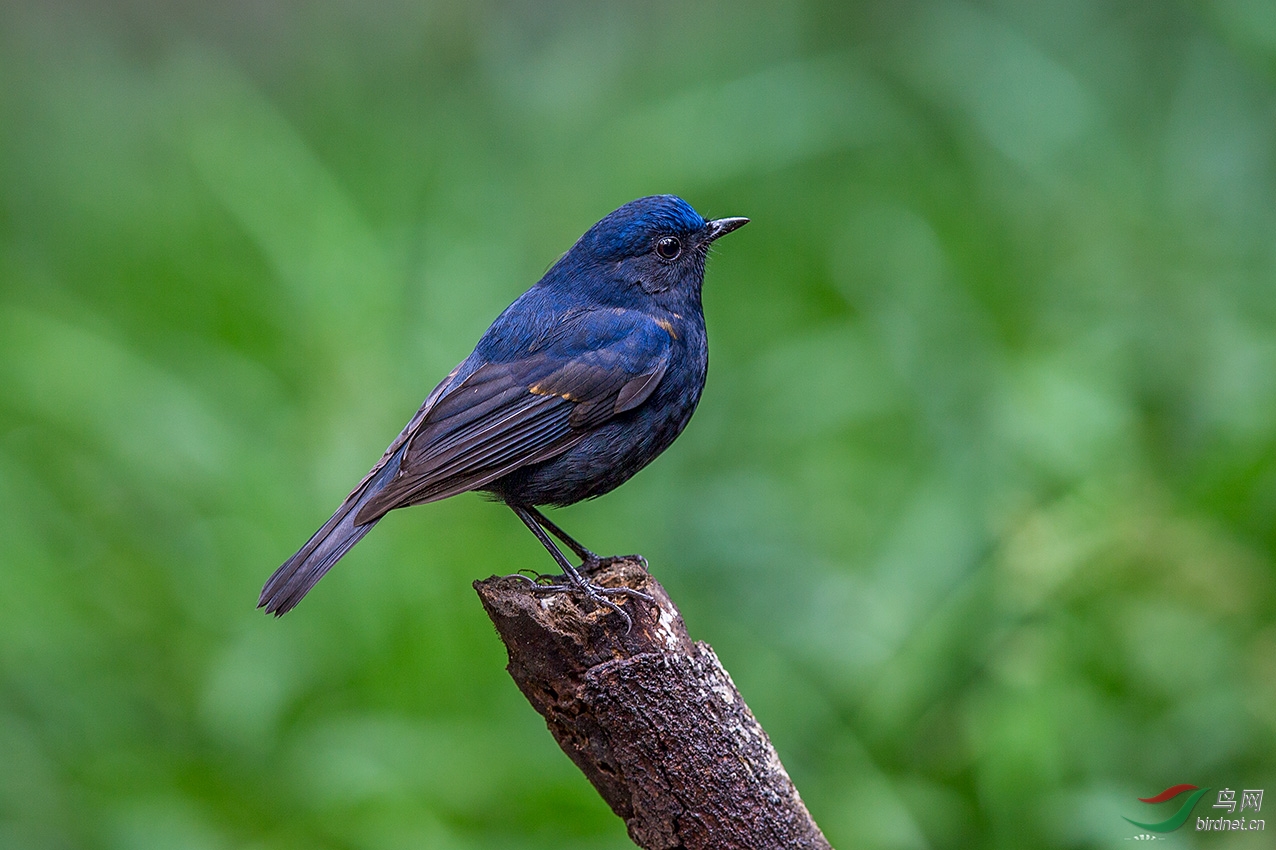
x=526, y=410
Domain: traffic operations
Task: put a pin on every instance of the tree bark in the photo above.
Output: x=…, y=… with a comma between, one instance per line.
x=650, y=717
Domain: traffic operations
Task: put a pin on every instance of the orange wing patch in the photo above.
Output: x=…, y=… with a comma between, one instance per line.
x=537, y=389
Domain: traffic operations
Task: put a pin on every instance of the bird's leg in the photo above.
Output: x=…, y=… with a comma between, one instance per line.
x=575, y=582
x=589, y=560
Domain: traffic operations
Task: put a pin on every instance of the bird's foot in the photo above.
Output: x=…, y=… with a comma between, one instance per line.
x=594, y=592
x=538, y=579
x=593, y=563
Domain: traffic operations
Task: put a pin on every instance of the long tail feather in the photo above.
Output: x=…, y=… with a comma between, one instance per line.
x=303, y=570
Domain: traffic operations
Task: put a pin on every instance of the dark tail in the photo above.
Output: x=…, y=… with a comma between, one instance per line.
x=303, y=570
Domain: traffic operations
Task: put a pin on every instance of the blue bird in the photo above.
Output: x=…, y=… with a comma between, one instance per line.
x=577, y=385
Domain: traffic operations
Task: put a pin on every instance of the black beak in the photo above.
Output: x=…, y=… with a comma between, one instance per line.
x=722, y=226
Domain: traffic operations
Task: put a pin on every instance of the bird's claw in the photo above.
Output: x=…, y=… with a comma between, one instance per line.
x=536, y=578
x=595, y=592
x=591, y=565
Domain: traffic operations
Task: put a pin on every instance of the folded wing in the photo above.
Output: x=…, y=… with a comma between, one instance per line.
x=526, y=410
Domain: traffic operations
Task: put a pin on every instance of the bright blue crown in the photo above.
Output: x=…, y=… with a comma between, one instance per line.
x=630, y=229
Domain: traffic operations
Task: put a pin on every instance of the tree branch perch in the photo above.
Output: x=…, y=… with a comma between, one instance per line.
x=650, y=717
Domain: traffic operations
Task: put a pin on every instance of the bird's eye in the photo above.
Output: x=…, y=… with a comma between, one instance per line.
x=669, y=247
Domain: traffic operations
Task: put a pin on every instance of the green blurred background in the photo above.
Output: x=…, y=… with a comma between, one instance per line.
x=978, y=508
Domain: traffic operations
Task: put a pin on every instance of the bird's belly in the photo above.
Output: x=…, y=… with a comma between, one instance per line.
x=602, y=461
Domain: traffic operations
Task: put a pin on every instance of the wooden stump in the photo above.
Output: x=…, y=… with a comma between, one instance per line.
x=650, y=717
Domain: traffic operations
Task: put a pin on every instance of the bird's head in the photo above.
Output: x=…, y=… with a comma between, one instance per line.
x=655, y=244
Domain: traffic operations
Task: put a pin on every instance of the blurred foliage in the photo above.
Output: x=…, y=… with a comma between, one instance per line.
x=978, y=508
